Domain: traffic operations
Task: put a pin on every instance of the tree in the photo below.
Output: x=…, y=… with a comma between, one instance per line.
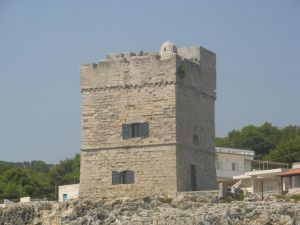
x=287, y=151
x=66, y=171
x=40, y=166
x=266, y=140
x=36, y=179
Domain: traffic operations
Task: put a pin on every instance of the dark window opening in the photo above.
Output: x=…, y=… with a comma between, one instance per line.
x=123, y=177
x=195, y=140
x=165, y=49
x=193, y=177
x=134, y=130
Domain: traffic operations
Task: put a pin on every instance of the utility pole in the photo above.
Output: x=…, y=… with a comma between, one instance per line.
x=55, y=188
x=75, y=179
x=20, y=187
x=262, y=190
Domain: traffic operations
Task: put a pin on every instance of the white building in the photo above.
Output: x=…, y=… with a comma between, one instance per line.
x=290, y=180
x=6, y=203
x=67, y=192
x=232, y=162
x=260, y=180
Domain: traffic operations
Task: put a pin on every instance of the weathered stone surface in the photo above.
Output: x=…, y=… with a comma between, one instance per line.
x=184, y=209
x=175, y=95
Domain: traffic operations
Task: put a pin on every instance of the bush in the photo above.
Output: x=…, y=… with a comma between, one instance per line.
x=295, y=197
x=165, y=200
x=232, y=197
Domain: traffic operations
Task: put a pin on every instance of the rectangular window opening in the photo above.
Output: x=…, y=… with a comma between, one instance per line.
x=134, y=130
x=123, y=177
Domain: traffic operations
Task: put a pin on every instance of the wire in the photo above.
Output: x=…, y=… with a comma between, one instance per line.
x=286, y=155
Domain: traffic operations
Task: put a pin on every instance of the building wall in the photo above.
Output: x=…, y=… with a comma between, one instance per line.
x=119, y=91
x=154, y=171
x=71, y=191
x=25, y=199
x=296, y=181
x=195, y=97
x=269, y=185
x=135, y=89
x=205, y=171
x=224, y=167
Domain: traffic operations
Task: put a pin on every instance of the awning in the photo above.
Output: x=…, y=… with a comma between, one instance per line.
x=291, y=172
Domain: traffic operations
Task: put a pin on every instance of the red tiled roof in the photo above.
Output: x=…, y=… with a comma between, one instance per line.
x=290, y=172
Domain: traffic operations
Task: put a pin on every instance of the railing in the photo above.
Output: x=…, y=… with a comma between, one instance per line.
x=237, y=184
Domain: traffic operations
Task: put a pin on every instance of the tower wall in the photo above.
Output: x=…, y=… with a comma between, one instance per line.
x=173, y=94
x=154, y=171
x=125, y=90
x=195, y=128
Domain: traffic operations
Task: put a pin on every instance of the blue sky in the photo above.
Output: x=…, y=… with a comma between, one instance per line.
x=42, y=44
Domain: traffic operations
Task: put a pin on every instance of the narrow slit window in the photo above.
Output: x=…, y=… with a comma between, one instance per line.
x=195, y=139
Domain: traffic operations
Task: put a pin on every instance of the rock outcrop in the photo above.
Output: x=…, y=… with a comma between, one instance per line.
x=188, y=209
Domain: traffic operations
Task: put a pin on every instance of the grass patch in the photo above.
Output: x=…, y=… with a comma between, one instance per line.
x=230, y=198
x=295, y=197
x=165, y=200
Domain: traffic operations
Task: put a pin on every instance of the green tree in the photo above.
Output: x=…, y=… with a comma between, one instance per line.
x=40, y=166
x=266, y=140
x=287, y=151
x=36, y=179
x=67, y=171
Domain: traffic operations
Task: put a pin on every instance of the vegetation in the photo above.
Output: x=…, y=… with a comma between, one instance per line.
x=232, y=197
x=268, y=142
x=288, y=198
x=36, y=179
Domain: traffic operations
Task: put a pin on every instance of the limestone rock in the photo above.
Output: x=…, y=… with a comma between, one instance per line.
x=152, y=210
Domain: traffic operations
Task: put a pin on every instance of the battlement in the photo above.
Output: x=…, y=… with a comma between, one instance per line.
x=143, y=68
x=195, y=53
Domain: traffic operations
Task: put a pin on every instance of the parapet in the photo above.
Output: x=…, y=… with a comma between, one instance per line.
x=128, y=68
x=167, y=50
x=119, y=55
x=195, y=54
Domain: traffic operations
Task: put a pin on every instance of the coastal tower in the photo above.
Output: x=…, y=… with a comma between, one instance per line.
x=148, y=123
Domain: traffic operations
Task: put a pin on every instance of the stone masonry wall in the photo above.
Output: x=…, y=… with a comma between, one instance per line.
x=134, y=89
x=148, y=95
x=175, y=95
x=154, y=171
x=195, y=96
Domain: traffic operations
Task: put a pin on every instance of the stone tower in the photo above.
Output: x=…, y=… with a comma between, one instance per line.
x=148, y=123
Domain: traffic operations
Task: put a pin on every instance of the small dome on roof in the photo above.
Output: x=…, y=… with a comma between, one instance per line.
x=167, y=48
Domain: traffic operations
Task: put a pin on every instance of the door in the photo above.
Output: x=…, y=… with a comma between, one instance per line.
x=65, y=197
x=193, y=178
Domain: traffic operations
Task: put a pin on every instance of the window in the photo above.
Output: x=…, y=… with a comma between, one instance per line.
x=219, y=165
x=235, y=166
x=65, y=197
x=134, y=130
x=195, y=140
x=123, y=177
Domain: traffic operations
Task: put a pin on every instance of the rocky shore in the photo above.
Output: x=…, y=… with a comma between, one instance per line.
x=183, y=209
